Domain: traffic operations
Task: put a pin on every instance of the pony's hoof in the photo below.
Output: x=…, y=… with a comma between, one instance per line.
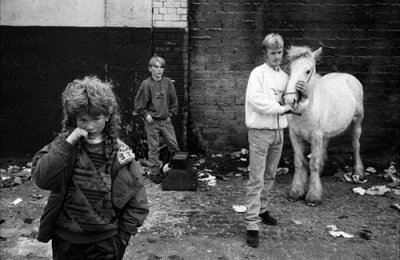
x=312, y=203
x=294, y=198
x=358, y=177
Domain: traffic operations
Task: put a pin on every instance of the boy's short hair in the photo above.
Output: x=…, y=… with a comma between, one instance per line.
x=155, y=59
x=273, y=41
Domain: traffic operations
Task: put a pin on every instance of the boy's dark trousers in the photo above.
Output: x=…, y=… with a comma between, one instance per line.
x=108, y=249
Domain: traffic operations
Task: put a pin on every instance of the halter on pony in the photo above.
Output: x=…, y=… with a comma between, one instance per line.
x=307, y=81
x=295, y=53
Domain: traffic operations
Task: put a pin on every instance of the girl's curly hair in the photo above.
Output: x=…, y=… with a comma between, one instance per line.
x=94, y=97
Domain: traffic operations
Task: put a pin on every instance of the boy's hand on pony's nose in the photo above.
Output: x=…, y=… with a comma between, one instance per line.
x=78, y=133
x=302, y=87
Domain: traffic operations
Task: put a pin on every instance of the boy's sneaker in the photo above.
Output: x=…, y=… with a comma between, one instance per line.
x=156, y=178
x=266, y=218
x=252, y=238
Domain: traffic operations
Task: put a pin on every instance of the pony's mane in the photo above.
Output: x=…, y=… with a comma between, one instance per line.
x=296, y=52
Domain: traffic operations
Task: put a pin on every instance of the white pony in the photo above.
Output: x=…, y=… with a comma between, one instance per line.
x=335, y=101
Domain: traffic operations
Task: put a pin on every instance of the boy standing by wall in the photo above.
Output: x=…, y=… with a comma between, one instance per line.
x=265, y=121
x=157, y=102
x=98, y=199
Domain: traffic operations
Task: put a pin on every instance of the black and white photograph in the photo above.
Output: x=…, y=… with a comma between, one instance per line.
x=199, y=129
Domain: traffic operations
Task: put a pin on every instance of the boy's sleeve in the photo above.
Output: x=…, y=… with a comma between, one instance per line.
x=137, y=208
x=173, y=101
x=49, y=164
x=141, y=100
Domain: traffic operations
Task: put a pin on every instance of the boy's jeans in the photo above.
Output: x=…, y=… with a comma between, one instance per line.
x=265, y=152
x=159, y=127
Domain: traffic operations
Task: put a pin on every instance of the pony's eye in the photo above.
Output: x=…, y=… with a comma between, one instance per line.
x=308, y=72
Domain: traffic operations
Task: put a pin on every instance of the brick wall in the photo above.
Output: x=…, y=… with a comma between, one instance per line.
x=170, y=41
x=225, y=39
x=172, y=45
x=170, y=13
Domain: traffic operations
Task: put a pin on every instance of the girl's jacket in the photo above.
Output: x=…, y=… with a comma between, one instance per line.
x=52, y=170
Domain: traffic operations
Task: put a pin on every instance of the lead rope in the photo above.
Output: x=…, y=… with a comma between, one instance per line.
x=279, y=131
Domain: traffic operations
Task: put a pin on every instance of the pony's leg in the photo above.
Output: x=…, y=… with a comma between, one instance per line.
x=318, y=155
x=297, y=190
x=358, y=165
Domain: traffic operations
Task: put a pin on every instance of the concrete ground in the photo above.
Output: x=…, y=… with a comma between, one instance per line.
x=203, y=225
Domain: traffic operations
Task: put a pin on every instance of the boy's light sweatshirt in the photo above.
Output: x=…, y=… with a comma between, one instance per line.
x=264, y=91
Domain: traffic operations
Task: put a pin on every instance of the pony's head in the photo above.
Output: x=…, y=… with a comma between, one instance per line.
x=302, y=68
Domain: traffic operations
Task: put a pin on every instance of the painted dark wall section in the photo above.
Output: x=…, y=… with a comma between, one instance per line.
x=37, y=63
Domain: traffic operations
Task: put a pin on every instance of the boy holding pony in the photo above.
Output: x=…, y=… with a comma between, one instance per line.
x=265, y=120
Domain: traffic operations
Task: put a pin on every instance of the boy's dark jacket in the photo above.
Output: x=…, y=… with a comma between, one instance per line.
x=51, y=170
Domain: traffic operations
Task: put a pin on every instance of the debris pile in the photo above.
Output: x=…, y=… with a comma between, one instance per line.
x=391, y=175
x=15, y=175
x=221, y=166
x=227, y=166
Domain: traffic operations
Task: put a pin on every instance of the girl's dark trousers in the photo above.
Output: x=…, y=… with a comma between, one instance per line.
x=108, y=249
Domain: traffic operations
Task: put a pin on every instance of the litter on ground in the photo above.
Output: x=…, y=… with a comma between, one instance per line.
x=15, y=202
x=374, y=190
x=395, y=206
x=335, y=232
x=377, y=190
x=370, y=170
x=353, y=178
x=359, y=190
x=239, y=208
x=207, y=178
x=282, y=170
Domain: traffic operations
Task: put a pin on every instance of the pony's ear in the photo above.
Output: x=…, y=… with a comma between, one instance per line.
x=316, y=54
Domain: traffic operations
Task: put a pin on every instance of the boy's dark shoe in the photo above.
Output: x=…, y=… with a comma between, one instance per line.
x=252, y=238
x=156, y=178
x=266, y=218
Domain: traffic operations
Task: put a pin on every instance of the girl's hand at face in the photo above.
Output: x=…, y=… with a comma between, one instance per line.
x=77, y=134
x=149, y=119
